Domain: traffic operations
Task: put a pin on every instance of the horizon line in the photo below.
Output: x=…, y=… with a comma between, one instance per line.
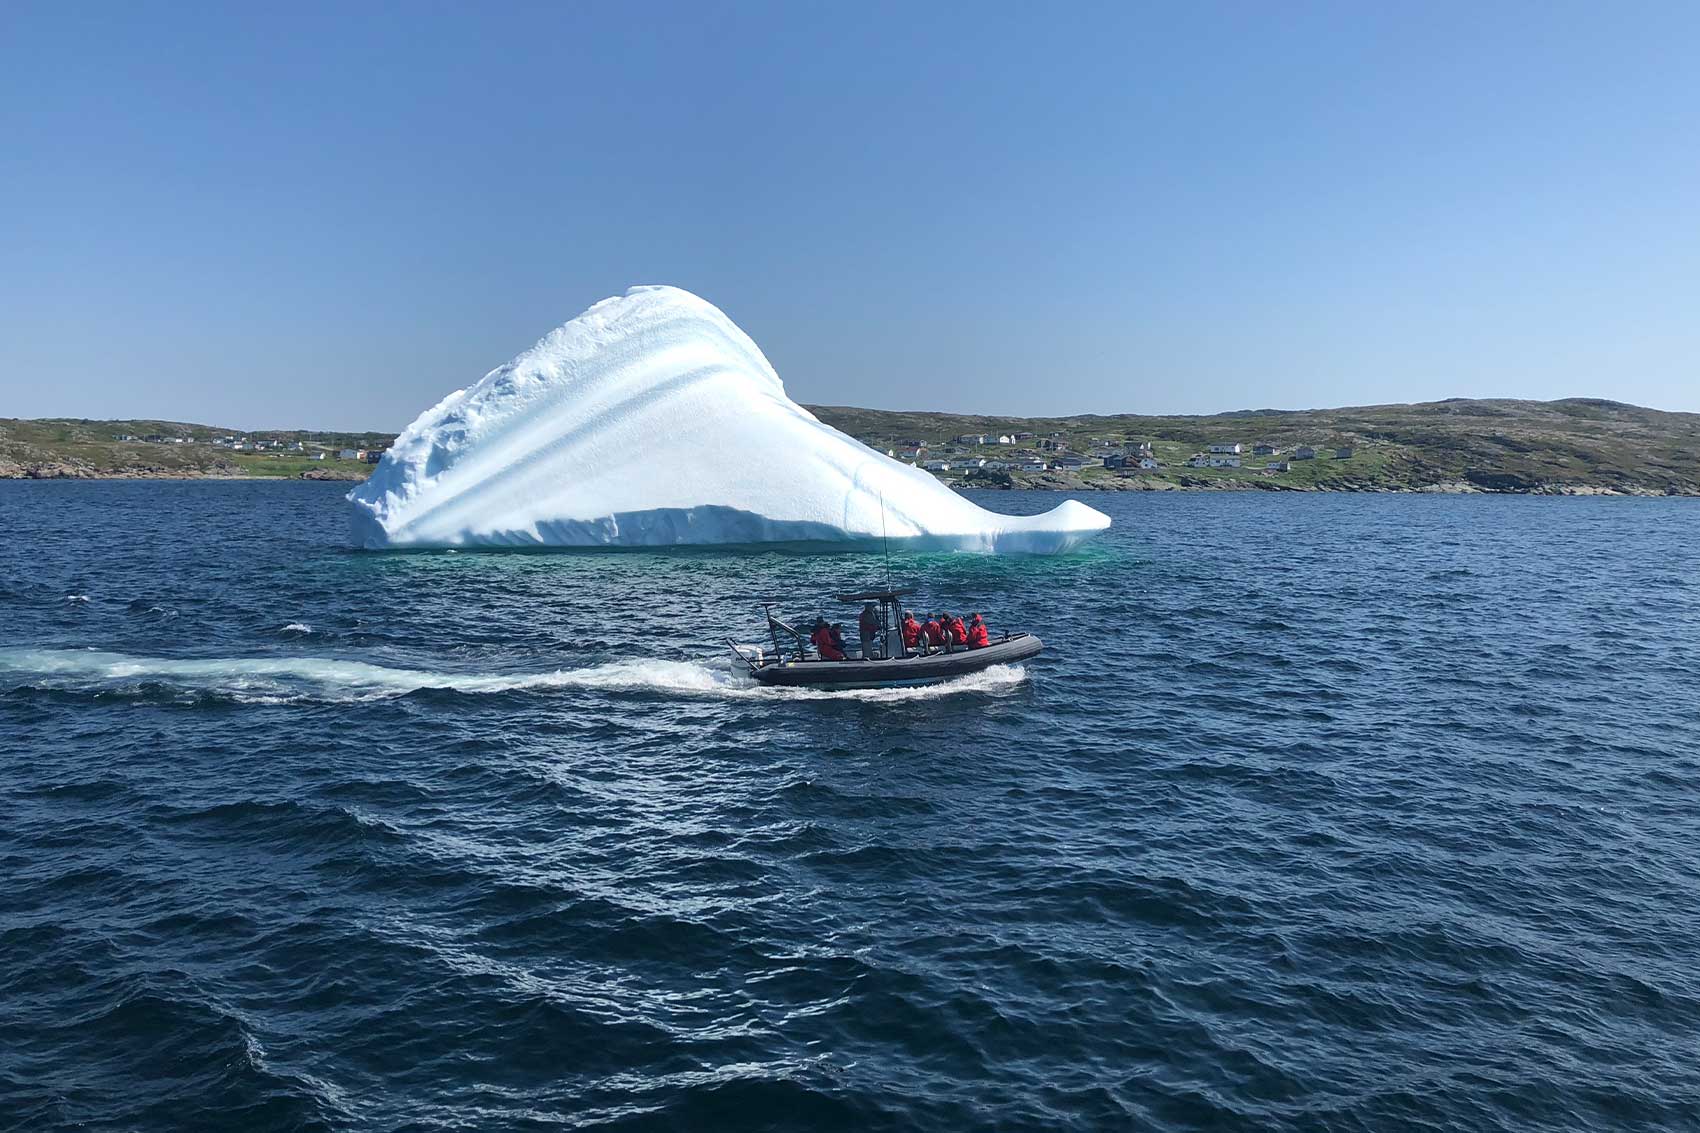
x=1265, y=410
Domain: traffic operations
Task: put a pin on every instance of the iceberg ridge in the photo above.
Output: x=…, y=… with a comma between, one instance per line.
x=652, y=420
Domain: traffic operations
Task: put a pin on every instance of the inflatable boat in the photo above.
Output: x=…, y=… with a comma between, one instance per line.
x=790, y=663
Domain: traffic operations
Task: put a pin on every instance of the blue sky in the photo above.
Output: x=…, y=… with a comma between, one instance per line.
x=329, y=216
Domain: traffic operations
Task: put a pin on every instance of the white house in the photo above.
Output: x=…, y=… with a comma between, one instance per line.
x=936, y=465
x=1148, y=462
x=1216, y=460
x=1226, y=450
x=1005, y=439
x=317, y=456
x=971, y=439
x=1033, y=466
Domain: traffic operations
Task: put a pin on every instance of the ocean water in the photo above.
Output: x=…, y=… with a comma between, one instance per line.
x=1319, y=813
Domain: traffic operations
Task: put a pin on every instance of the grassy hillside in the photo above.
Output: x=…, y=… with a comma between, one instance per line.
x=1491, y=445
x=1497, y=445
x=71, y=448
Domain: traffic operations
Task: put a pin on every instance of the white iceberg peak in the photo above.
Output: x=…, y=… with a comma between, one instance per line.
x=651, y=420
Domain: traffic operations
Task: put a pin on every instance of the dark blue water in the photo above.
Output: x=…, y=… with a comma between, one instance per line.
x=1320, y=812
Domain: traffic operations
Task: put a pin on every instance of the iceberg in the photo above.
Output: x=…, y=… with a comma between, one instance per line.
x=652, y=420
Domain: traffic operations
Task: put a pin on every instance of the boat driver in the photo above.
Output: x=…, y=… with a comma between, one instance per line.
x=868, y=626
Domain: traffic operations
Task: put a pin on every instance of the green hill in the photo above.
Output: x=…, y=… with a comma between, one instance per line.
x=1578, y=444
x=79, y=449
x=1574, y=445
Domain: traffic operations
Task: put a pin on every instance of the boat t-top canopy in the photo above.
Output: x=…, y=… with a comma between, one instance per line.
x=877, y=595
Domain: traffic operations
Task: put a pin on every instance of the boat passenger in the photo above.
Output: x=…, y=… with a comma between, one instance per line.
x=954, y=631
x=911, y=630
x=821, y=639
x=868, y=625
x=934, y=633
x=978, y=638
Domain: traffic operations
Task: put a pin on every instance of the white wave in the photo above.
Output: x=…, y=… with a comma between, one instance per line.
x=297, y=627
x=76, y=599
x=280, y=680
x=651, y=420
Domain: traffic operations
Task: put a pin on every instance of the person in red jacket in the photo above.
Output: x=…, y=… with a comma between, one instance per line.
x=911, y=630
x=978, y=638
x=823, y=641
x=934, y=633
x=955, y=632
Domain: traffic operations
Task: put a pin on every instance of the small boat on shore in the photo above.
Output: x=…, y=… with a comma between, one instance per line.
x=791, y=664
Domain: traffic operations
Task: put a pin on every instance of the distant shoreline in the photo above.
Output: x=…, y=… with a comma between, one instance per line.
x=1455, y=489
x=168, y=477
x=1575, y=446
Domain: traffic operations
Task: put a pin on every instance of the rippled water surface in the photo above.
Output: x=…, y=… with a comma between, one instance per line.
x=1319, y=812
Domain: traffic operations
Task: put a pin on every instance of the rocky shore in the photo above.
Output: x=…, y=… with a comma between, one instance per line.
x=78, y=470
x=1068, y=483
x=1049, y=482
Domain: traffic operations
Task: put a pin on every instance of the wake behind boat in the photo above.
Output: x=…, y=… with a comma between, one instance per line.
x=888, y=656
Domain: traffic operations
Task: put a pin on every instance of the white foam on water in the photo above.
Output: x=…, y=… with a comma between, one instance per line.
x=297, y=627
x=282, y=680
x=76, y=599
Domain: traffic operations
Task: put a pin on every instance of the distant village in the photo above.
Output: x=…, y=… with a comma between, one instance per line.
x=300, y=450
x=987, y=457
x=974, y=455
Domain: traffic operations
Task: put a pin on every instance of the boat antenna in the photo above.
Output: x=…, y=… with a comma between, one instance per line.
x=884, y=539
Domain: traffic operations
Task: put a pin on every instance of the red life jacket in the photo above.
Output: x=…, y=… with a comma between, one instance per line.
x=958, y=632
x=822, y=639
x=978, y=638
x=934, y=632
x=911, y=632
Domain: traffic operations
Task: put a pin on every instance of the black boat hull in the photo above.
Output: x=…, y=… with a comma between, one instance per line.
x=898, y=671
